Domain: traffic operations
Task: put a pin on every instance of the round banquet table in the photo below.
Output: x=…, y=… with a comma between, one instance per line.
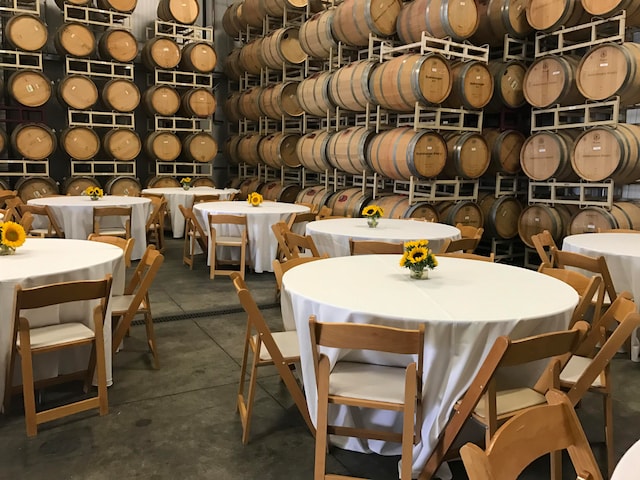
x=465, y=304
x=179, y=196
x=263, y=245
x=74, y=213
x=332, y=236
x=622, y=253
x=628, y=466
x=41, y=261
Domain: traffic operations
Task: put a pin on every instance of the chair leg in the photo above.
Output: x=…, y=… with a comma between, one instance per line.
x=608, y=432
x=91, y=370
x=151, y=338
x=322, y=419
x=101, y=371
x=27, y=386
x=212, y=267
x=556, y=465
x=408, y=423
x=243, y=259
x=253, y=383
x=243, y=371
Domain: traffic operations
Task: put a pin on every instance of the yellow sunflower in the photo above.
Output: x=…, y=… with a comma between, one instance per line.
x=404, y=259
x=418, y=254
x=13, y=235
x=89, y=190
x=368, y=211
x=255, y=199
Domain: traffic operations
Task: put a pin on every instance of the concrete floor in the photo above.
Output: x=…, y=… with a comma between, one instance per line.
x=180, y=422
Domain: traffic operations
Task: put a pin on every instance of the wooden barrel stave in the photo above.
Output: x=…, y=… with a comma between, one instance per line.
x=465, y=212
x=25, y=32
x=311, y=151
x=33, y=141
x=501, y=215
x=199, y=57
x=198, y=102
x=349, y=86
x=30, y=88
x=121, y=95
x=280, y=99
x=279, y=150
x=161, y=52
x=162, y=146
x=349, y=202
x=505, y=148
x=179, y=11
x=118, y=45
x=80, y=143
x=77, y=91
x=313, y=94
x=347, y=149
x=200, y=147
x=546, y=155
x=162, y=100
x=316, y=37
x=122, y=144
x=468, y=155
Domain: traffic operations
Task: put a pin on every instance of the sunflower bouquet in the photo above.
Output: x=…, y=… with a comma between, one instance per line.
x=186, y=183
x=372, y=213
x=254, y=199
x=12, y=236
x=93, y=192
x=418, y=258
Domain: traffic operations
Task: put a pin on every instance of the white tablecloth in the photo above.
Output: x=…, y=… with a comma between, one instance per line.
x=629, y=465
x=74, y=213
x=332, y=236
x=622, y=253
x=179, y=196
x=465, y=305
x=50, y=260
x=262, y=242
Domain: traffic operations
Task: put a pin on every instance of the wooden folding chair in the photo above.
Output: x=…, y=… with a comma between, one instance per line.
x=280, y=268
x=588, y=369
x=125, y=244
x=469, y=256
x=5, y=195
x=193, y=233
x=14, y=203
x=298, y=244
x=371, y=247
x=100, y=213
x=202, y=198
x=504, y=353
x=28, y=341
x=324, y=212
x=544, y=429
x=219, y=239
x=543, y=242
x=312, y=207
x=279, y=229
x=301, y=218
x=26, y=222
x=52, y=229
x=586, y=287
x=155, y=223
x=469, y=231
x=279, y=349
x=135, y=301
x=466, y=245
x=358, y=385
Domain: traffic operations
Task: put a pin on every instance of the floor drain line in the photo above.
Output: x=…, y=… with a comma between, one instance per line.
x=202, y=314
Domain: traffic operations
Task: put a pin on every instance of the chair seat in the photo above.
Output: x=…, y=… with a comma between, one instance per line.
x=120, y=304
x=229, y=241
x=574, y=368
x=51, y=335
x=368, y=382
x=509, y=401
x=287, y=343
x=113, y=231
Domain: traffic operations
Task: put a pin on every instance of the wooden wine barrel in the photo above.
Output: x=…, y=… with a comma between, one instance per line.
x=280, y=99
x=397, y=206
x=4, y=141
x=549, y=16
x=232, y=67
x=36, y=187
x=161, y=52
x=508, y=85
x=468, y=155
x=249, y=104
x=279, y=192
x=282, y=47
x=466, y=213
x=80, y=143
x=248, y=148
x=316, y=37
x=122, y=6
x=77, y=3
x=200, y=147
x=505, y=150
x=30, y=88
x=311, y=151
x=203, y=182
x=552, y=79
x=161, y=100
x=546, y=155
x=537, y=218
x=501, y=215
x=253, y=13
x=251, y=57
x=472, y=85
x=608, y=8
x=121, y=95
x=349, y=87
x=179, y=11
x=231, y=22
x=231, y=107
x=77, y=92
x=313, y=94
x=347, y=149
x=230, y=149
x=33, y=141
x=199, y=57
x=354, y=20
x=198, y=102
x=26, y=32
x=402, y=153
x=279, y=150
x=118, y=45
x=611, y=69
x=499, y=18
x=604, y=152
x=276, y=8
x=349, y=202
x=75, y=39
x=315, y=195
x=122, y=144
x=160, y=181
x=457, y=19
x=591, y=219
x=76, y=186
x=124, y=186
x=247, y=186
x=399, y=83
x=162, y=146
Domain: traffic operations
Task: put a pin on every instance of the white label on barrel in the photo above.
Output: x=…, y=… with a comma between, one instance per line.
x=466, y=217
x=433, y=69
x=537, y=219
x=473, y=149
x=591, y=226
x=556, y=72
x=30, y=88
x=542, y=150
x=597, y=148
x=606, y=64
x=429, y=147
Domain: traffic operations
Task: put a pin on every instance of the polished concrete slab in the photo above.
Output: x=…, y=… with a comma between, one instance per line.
x=180, y=421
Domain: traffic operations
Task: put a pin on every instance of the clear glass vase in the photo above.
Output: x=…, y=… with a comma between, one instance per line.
x=372, y=222
x=419, y=273
x=5, y=250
